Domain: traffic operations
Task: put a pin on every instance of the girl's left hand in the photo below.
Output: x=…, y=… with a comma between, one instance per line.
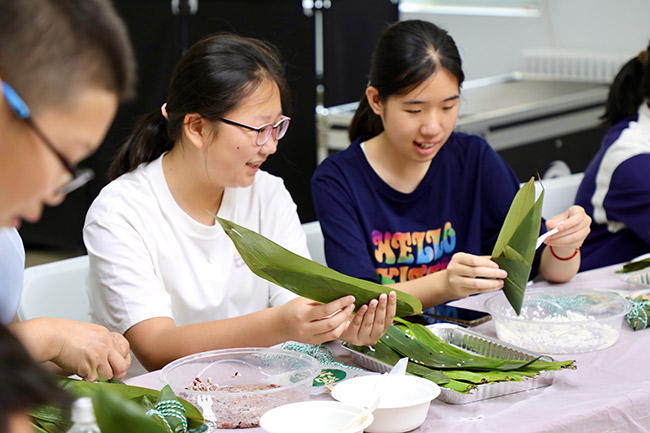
x=371, y=321
x=573, y=225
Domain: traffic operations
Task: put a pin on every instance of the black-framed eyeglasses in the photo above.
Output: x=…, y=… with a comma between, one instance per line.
x=264, y=132
x=79, y=176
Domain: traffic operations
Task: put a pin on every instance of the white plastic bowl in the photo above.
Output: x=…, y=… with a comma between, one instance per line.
x=404, y=400
x=284, y=377
x=559, y=321
x=316, y=416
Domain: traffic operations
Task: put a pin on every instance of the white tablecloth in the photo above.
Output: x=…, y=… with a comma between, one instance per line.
x=609, y=392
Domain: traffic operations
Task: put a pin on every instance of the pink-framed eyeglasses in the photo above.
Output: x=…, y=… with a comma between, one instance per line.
x=264, y=132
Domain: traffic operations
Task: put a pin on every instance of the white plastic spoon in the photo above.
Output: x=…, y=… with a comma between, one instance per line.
x=540, y=240
x=398, y=368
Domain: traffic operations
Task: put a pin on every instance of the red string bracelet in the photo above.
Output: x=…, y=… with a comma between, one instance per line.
x=575, y=253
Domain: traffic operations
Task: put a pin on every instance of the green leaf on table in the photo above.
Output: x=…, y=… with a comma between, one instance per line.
x=421, y=353
x=118, y=408
x=448, y=365
x=634, y=266
x=514, y=250
x=304, y=277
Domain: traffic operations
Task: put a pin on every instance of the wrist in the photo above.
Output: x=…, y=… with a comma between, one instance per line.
x=564, y=253
x=37, y=336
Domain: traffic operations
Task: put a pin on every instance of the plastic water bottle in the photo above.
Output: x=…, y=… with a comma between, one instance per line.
x=83, y=417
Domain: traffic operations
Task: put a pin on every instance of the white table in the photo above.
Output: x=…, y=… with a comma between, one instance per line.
x=609, y=392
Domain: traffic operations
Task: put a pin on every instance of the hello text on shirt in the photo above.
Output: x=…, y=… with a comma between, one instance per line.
x=403, y=256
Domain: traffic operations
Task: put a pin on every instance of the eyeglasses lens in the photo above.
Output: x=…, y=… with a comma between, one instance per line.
x=282, y=129
x=264, y=134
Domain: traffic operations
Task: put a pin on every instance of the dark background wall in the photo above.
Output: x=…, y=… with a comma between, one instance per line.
x=160, y=36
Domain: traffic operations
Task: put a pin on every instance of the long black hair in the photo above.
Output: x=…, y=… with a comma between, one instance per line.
x=407, y=53
x=211, y=79
x=630, y=88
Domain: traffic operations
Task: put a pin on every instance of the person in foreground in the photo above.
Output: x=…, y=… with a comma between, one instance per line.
x=411, y=203
x=162, y=272
x=615, y=190
x=64, y=66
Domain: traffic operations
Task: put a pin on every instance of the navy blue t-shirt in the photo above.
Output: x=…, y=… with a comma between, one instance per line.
x=377, y=233
x=615, y=192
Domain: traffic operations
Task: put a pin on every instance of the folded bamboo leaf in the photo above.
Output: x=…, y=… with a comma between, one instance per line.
x=514, y=249
x=304, y=277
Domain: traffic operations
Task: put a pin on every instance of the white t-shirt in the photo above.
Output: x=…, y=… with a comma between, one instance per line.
x=148, y=258
x=12, y=267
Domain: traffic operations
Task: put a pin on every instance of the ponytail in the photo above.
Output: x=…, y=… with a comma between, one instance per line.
x=146, y=143
x=365, y=121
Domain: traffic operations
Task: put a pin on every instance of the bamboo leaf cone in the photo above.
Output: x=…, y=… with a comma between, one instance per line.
x=514, y=250
x=304, y=277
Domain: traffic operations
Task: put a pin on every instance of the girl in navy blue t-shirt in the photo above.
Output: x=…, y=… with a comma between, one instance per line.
x=413, y=204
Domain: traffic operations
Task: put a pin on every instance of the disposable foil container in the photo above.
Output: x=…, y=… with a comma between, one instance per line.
x=472, y=342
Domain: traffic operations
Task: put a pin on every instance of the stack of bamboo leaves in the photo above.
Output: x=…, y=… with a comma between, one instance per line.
x=447, y=365
x=119, y=408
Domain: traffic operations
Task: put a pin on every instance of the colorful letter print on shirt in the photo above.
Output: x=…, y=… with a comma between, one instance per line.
x=406, y=256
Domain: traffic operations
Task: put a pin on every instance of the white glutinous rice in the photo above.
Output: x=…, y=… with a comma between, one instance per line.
x=566, y=332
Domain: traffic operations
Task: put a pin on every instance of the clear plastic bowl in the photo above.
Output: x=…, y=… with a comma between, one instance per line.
x=558, y=321
x=244, y=383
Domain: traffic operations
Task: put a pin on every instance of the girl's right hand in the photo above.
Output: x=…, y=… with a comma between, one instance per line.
x=310, y=322
x=468, y=274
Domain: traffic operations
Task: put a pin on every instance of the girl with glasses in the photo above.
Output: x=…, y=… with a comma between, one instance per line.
x=161, y=271
x=64, y=67
x=413, y=204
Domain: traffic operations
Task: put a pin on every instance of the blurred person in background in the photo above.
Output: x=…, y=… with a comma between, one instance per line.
x=615, y=190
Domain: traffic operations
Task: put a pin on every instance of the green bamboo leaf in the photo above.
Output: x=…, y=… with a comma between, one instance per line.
x=417, y=342
x=634, y=266
x=304, y=277
x=514, y=250
x=115, y=414
x=82, y=388
x=382, y=352
x=461, y=387
x=420, y=353
x=514, y=285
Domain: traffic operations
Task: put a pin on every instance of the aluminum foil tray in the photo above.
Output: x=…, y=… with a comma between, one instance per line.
x=472, y=342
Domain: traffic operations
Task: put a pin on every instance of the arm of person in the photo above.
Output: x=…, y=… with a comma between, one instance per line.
x=343, y=234
x=465, y=275
x=628, y=197
x=86, y=349
x=371, y=321
x=158, y=340
x=562, y=262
